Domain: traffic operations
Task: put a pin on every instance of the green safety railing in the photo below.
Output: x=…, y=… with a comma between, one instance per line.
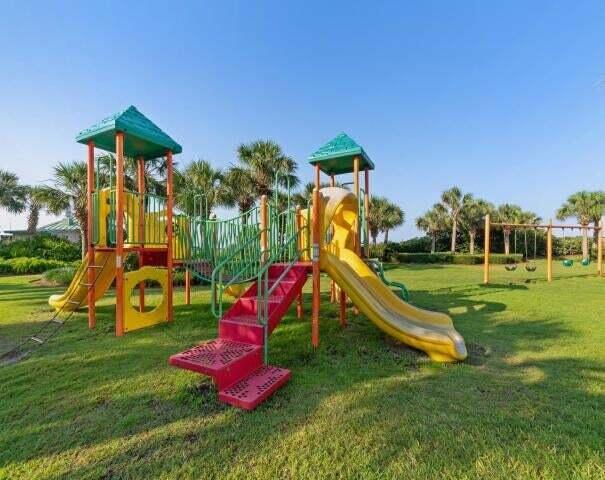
x=378, y=268
x=213, y=241
x=245, y=264
x=240, y=266
x=264, y=291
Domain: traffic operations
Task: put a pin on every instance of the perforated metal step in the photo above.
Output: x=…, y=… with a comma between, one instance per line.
x=252, y=390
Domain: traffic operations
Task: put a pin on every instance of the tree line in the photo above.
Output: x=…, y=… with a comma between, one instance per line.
x=462, y=211
x=261, y=168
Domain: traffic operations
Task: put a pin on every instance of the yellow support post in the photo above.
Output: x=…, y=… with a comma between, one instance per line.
x=549, y=251
x=486, y=248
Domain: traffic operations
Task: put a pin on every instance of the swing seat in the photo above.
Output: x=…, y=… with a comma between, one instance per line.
x=568, y=262
x=510, y=267
x=531, y=267
x=585, y=262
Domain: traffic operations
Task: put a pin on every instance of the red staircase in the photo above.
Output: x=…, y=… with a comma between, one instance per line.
x=235, y=359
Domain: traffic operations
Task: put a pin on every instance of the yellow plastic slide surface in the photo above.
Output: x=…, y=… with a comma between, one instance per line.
x=432, y=332
x=77, y=292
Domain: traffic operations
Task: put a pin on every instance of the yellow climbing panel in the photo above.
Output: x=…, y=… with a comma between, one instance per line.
x=135, y=319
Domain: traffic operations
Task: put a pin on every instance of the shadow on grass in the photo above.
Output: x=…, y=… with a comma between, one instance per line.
x=89, y=388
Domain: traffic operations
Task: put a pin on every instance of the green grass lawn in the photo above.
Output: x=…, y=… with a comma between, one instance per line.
x=528, y=403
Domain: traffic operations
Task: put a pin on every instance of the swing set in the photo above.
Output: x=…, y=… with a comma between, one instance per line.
x=530, y=264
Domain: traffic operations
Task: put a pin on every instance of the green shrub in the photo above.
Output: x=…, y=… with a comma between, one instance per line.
x=42, y=246
x=458, y=259
x=60, y=276
x=28, y=265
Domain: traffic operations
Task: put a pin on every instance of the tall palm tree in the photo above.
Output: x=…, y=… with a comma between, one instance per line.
x=384, y=216
x=378, y=211
x=238, y=189
x=199, y=182
x=432, y=222
x=69, y=191
x=587, y=207
x=12, y=194
x=472, y=218
x=264, y=161
x=454, y=201
x=508, y=213
x=393, y=218
x=36, y=201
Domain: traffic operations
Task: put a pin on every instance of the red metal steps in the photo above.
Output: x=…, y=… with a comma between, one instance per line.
x=235, y=359
x=225, y=361
x=254, y=389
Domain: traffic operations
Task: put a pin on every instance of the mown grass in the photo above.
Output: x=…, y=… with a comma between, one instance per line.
x=528, y=403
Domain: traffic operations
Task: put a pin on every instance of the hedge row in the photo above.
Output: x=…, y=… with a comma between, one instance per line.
x=23, y=265
x=459, y=258
x=42, y=246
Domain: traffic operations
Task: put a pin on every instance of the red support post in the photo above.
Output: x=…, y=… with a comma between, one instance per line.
x=169, y=232
x=90, y=253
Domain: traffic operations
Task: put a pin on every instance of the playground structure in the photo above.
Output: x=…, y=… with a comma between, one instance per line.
x=530, y=264
x=122, y=221
x=263, y=257
x=276, y=251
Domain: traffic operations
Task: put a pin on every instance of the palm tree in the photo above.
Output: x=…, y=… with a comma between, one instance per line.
x=36, y=201
x=264, y=161
x=432, y=222
x=508, y=213
x=378, y=211
x=12, y=195
x=154, y=173
x=69, y=191
x=238, y=189
x=384, y=216
x=393, y=218
x=198, y=182
x=586, y=207
x=471, y=218
x=454, y=201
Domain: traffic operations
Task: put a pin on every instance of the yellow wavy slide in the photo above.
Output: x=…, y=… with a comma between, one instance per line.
x=77, y=290
x=432, y=332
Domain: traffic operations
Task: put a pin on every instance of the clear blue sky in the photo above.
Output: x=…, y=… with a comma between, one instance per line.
x=504, y=99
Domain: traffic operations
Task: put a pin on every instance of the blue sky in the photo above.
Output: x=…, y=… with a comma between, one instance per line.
x=504, y=99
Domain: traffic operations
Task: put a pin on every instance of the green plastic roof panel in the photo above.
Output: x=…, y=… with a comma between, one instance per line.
x=142, y=137
x=336, y=156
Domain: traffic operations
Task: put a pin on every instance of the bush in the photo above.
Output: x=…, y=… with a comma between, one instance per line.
x=60, y=276
x=28, y=265
x=42, y=246
x=458, y=259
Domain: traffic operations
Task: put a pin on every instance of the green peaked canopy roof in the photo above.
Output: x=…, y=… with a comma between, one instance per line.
x=336, y=156
x=142, y=137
